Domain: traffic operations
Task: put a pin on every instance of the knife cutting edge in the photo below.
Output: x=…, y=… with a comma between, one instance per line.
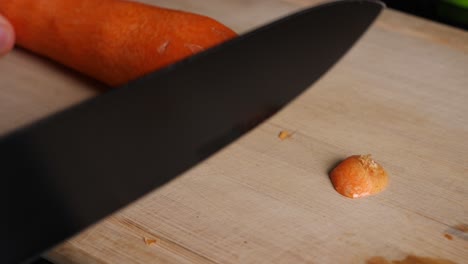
x=69, y=170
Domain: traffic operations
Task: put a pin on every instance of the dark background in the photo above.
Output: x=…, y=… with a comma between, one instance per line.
x=438, y=10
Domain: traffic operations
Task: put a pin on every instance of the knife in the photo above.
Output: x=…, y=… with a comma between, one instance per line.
x=69, y=170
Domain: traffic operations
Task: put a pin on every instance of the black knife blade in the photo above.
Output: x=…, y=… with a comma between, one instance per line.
x=67, y=171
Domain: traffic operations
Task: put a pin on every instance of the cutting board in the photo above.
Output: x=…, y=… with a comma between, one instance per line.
x=401, y=94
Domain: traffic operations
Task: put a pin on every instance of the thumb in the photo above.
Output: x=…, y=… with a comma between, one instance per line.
x=7, y=36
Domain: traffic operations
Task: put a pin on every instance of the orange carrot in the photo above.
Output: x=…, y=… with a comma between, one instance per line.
x=114, y=41
x=359, y=176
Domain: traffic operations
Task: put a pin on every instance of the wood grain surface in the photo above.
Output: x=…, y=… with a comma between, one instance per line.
x=401, y=94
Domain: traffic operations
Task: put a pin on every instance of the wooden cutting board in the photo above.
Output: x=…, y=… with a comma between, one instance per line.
x=401, y=94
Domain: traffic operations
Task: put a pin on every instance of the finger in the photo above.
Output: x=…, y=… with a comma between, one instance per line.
x=7, y=36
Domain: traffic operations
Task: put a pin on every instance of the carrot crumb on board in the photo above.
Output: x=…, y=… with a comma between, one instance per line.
x=284, y=135
x=462, y=228
x=359, y=176
x=449, y=237
x=149, y=241
x=411, y=259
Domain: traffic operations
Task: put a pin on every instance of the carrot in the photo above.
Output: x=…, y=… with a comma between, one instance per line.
x=113, y=41
x=359, y=176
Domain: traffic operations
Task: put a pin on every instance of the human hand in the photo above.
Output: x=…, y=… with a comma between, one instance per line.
x=7, y=36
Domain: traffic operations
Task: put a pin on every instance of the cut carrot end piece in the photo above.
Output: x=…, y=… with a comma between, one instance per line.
x=359, y=176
